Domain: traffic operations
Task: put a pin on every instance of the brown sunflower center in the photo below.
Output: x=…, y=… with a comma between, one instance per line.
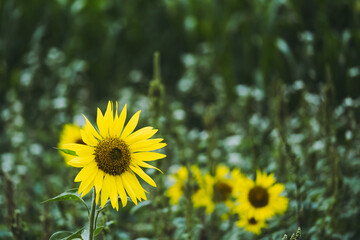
x=113, y=156
x=222, y=191
x=252, y=221
x=258, y=197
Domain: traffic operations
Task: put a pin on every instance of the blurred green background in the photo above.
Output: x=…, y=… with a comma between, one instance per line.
x=269, y=84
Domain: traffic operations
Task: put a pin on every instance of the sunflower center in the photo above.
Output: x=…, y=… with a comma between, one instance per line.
x=252, y=221
x=222, y=191
x=116, y=154
x=258, y=197
x=113, y=156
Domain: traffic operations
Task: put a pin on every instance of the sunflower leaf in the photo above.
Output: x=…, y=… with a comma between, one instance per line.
x=68, y=195
x=67, y=151
x=98, y=230
x=66, y=235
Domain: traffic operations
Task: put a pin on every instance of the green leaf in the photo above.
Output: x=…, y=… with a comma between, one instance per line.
x=66, y=235
x=68, y=195
x=98, y=230
x=67, y=151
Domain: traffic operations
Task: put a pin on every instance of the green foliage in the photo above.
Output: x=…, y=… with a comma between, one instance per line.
x=65, y=235
x=68, y=195
x=251, y=84
x=67, y=151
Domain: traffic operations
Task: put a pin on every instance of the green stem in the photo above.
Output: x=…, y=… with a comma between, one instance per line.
x=92, y=216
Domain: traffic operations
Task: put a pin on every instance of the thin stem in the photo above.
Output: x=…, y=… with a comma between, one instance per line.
x=92, y=216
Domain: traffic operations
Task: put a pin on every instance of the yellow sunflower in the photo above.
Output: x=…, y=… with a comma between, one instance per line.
x=69, y=134
x=113, y=154
x=180, y=178
x=216, y=189
x=261, y=199
x=252, y=225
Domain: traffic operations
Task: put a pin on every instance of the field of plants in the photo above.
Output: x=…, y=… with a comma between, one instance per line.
x=180, y=119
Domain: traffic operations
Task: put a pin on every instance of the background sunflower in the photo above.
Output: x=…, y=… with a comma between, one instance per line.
x=260, y=199
x=69, y=134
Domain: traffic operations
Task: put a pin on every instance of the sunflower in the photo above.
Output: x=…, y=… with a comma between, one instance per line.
x=69, y=134
x=112, y=155
x=216, y=189
x=180, y=179
x=252, y=225
x=261, y=199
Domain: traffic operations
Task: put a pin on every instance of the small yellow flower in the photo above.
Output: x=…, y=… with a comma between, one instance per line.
x=181, y=178
x=216, y=189
x=252, y=225
x=261, y=199
x=69, y=134
x=113, y=154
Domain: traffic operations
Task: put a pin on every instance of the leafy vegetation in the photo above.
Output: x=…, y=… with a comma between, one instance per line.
x=271, y=85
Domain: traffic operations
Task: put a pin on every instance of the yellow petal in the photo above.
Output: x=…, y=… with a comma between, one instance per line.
x=81, y=161
x=80, y=149
x=87, y=189
x=153, y=147
x=89, y=128
x=98, y=182
x=119, y=122
x=113, y=193
x=112, y=129
x=128, y=188
x=121, y=190
x=141, y=134
x=100, y=120
x=105, y=192
x=144, y=164
x=131, y=125
x=145, y=143
x=108, y=118
x=87, y=181
x=147, y=156
x=143, y=175
x=88, y=138
x=86, y=172
x=135, y=185
x=97, y=198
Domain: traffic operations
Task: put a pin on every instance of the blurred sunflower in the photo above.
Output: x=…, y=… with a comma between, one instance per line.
x=261, y=199
x=180, y=179
x=216, y=189
x=112, y=155
x=69, y=134
x=252, y=225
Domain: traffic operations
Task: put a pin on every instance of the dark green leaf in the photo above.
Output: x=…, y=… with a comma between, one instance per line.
x=67, y=151
x=66, y=235
x=68, y=195
x=98, y=230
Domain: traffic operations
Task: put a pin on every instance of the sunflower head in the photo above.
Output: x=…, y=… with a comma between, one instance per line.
x=181, y=182
x=261, y=199
x=252, y=225
x=69, y=134
x=177, y=189
x=112, y=154
x=216, y=189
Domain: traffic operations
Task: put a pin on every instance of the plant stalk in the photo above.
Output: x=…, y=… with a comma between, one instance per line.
x=92, y=217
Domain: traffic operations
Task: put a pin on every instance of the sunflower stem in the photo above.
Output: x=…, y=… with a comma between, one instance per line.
x=92, y=217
